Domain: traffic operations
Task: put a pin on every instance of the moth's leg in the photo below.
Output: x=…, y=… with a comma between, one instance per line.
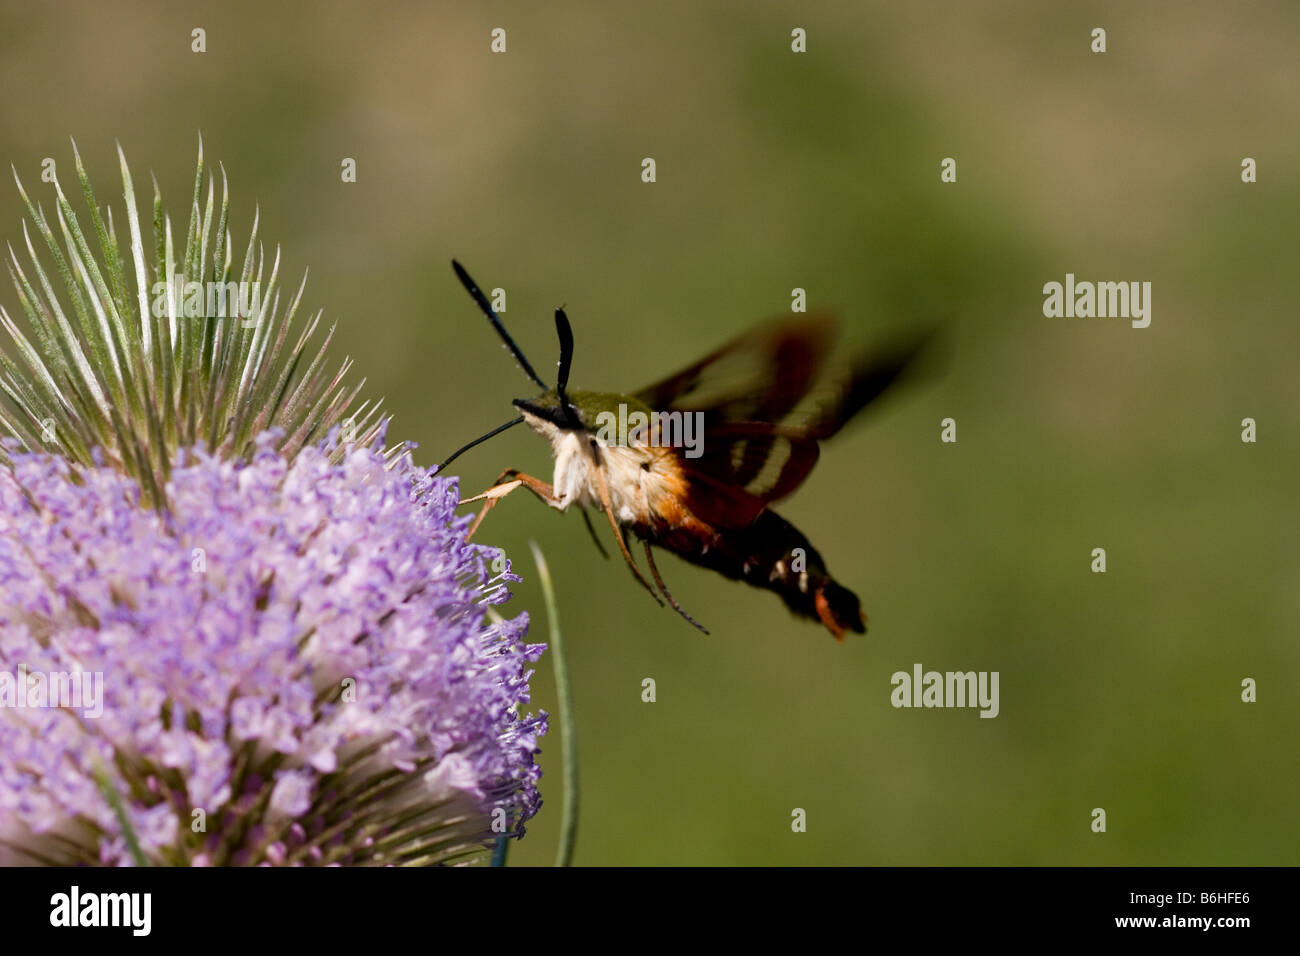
x=506, y=482
x=603, y=487
x=586, y=519
x=672, y=601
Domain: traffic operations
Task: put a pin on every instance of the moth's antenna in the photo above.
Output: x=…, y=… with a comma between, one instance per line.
x=565, y=332
x=478, y=441
x=477, y=295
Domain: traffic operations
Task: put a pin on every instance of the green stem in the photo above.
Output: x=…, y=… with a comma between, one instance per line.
x=500, y=851
x=568, y=728
x=115, y=801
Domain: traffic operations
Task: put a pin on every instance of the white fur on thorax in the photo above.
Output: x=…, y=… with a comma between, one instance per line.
x=634, y=490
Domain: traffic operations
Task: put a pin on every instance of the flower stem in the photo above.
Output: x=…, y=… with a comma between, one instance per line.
x=568, y=728
x=500, y=850
x=115, y=801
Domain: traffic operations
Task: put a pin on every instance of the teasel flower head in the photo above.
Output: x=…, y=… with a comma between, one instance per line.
x=235, y=626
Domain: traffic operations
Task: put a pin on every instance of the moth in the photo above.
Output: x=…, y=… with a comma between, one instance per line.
x=691, y=464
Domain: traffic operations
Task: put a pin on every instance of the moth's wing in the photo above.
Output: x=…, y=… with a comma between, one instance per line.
x=742, y=466
x=758, y=376
x=870, y=374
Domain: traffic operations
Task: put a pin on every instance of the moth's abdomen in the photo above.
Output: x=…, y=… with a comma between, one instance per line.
x=771, y=554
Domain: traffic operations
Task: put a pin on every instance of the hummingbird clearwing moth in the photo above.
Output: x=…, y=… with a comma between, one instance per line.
x=692, y=463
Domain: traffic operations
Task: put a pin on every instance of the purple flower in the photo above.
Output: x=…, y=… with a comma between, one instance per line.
x=295, y=657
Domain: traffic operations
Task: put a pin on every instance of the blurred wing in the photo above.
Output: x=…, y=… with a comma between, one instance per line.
x=743, y=466
x=869, y=376
x=765, y=409
x=758, y=376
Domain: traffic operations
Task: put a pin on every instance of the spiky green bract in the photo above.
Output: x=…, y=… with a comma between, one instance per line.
x=95, y=368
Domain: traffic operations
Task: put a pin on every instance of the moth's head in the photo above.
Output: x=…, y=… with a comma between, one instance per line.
x=556, y=406
x=549, y=407
x=586, y=410
x=554, y=410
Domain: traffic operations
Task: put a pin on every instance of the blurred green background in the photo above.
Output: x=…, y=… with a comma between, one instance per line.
x=816, y=170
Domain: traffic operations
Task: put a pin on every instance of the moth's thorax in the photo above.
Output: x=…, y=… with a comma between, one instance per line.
x=641, y=479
